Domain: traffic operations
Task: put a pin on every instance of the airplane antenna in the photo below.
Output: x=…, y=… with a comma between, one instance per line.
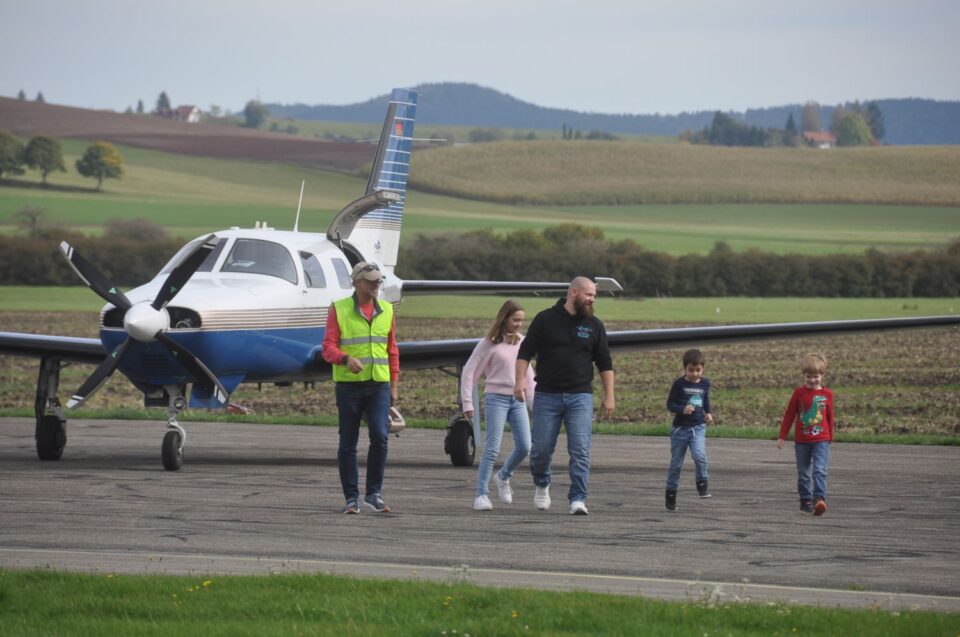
x=296, y=223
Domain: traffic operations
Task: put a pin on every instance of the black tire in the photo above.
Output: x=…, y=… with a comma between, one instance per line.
x=459, y=442
x=172, y=453
x=51, y=437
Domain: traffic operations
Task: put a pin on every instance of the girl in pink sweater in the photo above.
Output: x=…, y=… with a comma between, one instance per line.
x=495, y=359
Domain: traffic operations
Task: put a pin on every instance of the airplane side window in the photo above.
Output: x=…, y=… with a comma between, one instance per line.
x=343, y=273
x=260, y=257
x=312, y=271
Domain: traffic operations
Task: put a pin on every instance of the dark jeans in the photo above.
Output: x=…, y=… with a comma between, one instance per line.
x=369, y=401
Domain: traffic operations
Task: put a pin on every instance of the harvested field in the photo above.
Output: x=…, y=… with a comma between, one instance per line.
x=897, y=382
x=27, y=119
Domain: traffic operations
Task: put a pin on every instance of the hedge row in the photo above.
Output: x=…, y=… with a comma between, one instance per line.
x=557, y=253
x=562, y=252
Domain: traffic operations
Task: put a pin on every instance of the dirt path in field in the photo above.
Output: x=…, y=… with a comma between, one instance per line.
x=262, y=498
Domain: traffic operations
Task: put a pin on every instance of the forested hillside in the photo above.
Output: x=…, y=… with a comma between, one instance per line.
x=908, y=121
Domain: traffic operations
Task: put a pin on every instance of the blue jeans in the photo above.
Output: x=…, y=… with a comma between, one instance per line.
x=500, y=409
x=576, y=411
x=681, y=439
x=812, y=458
x=354, y=402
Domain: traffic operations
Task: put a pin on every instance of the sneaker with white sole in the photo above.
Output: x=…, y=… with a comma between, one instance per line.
x=541, y=498
x=504, y=490
x=578, y=507
x=375, y=502
x=482, y=503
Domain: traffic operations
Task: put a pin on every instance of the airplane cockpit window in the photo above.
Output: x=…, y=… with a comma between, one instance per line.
x=207, y=264
x=255, y=256
x=343, y=273
x=312, y=272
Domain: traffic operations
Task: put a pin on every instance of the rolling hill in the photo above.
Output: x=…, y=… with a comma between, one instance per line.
x=908, y=121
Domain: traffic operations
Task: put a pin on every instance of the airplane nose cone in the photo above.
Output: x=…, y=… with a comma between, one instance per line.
x=142, y=322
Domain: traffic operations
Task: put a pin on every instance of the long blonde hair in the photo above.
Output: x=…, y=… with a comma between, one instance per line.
x=508, y=309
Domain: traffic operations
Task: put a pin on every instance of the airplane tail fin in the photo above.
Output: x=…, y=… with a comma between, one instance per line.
x=371, y=225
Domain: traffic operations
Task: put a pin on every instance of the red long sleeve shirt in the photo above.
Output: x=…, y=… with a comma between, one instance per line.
x=331, y=341
x=812, y=411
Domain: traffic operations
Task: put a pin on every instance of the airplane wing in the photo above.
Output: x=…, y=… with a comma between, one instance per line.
x=66, y=348
x=604, y=286
x=448, y=353
x=452, y=352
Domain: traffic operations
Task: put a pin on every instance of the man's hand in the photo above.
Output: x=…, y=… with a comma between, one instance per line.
x=518, y=393
x=779, y=443
x=607, y=407
x=689, y=409
x=709, y=418
x=354, y=365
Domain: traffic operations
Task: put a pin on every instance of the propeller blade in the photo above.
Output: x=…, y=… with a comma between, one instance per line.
x=93, y=277
x=182, y=273
x=201, y=373
x=98, y=377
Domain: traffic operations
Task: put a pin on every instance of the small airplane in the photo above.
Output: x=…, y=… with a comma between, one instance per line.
x=250, y=306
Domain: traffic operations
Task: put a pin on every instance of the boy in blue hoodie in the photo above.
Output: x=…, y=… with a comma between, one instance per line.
x=689, y=402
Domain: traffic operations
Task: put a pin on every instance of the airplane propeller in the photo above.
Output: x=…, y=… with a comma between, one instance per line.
x=145, y=322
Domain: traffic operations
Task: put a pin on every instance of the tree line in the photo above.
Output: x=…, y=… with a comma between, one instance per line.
x=131, y=252
x=100, y=161
x=565, y=251
x=853, y=124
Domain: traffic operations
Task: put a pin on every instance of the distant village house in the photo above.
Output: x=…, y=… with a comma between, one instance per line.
x=189, y=114
x=820, y=139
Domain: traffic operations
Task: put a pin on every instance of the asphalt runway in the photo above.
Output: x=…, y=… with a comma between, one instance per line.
x=266, y=499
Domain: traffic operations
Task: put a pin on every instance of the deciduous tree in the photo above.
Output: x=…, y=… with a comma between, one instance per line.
x=853, y=131
x=44, y=154
x=11, y=155
x=810, y=117
x=101, y=161
x=875, y=120
x=255, y=114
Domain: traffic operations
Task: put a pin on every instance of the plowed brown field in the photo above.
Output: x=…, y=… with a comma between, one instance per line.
x=28, y=119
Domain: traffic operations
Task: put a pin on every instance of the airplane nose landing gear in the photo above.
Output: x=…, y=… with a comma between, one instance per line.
x=171, y=451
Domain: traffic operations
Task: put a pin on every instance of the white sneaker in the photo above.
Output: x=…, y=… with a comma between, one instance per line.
x=504, y=490
x=541, y=498
x=482, y=503
x=578, y=507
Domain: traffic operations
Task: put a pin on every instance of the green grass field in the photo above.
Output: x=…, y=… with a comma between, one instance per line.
x=191, y=195
x=51, y=603
x=722, y=310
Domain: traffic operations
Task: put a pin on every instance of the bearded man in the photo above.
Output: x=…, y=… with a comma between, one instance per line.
x=567, y=340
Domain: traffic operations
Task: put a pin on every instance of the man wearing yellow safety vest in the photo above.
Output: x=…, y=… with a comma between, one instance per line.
x=361, y=345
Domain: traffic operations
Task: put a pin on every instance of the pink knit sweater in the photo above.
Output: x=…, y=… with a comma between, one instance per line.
x=498, y=365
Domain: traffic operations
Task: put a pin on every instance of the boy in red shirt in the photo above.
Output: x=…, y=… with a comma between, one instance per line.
x=811, y=408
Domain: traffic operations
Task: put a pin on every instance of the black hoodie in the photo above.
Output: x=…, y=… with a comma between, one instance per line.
x=566, y=347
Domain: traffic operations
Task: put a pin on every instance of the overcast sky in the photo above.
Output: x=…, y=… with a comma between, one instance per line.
x=612, y=56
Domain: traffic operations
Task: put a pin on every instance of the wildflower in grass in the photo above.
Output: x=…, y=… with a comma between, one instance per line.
x=514, y=614
x=207, y=583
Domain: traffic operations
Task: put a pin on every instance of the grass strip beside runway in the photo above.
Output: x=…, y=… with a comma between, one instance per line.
x=49, y=602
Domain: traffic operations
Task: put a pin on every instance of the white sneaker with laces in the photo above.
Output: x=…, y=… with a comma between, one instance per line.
x=541, y=498
x=578, y=507
x=504, y=490
x=482, y=503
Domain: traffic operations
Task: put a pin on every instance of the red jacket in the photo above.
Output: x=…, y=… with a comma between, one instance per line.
x=812, y=411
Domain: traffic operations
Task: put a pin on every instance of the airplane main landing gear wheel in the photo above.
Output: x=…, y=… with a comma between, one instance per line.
x=172, y=451
x=51, y=437
x=459, y=442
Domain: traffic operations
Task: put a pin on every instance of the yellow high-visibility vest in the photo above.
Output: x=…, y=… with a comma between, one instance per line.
x=364, y=340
